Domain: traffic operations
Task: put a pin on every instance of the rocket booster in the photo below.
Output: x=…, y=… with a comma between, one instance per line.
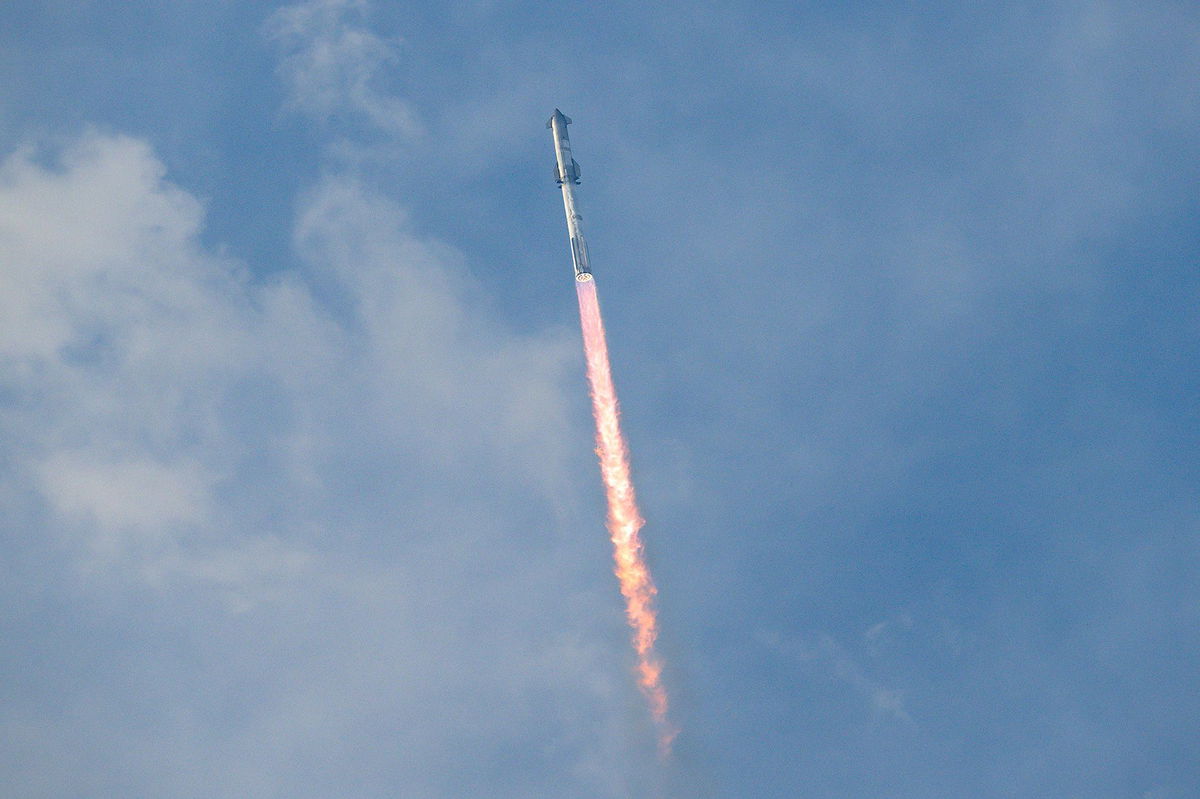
x=566, y=174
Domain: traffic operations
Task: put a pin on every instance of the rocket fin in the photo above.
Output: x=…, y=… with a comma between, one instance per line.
x=550, y=121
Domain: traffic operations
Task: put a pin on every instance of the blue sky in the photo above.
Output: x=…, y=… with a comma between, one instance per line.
x=297, y=487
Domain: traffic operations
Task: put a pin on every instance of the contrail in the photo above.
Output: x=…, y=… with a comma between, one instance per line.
x=624, y=520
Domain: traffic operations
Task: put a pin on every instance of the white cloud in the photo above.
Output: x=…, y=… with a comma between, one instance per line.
x=115, y=495
x=311, y=535
x=91, y=223
x=332, y=64
x=350, y=486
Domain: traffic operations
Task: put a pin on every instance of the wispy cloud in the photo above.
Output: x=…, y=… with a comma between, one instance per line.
x=354, y=462
x=336, y=506
x=334, y=65
x=823, y=650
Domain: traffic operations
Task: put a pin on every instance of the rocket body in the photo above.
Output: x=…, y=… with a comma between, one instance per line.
x=566, y=174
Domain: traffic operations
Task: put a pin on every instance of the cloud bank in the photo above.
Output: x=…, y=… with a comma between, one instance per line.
x=327, y=516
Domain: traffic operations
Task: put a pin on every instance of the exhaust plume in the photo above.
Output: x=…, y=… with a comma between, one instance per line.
x=624, y=520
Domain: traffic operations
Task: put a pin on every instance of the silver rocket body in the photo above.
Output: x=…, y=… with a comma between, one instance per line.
x=566, y=174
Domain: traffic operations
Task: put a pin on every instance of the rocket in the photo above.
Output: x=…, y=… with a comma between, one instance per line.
x=566, y=174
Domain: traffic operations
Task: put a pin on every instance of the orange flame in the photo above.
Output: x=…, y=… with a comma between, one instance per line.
x=624, y=520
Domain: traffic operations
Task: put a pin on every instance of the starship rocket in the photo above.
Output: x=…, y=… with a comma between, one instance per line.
x=566, y=174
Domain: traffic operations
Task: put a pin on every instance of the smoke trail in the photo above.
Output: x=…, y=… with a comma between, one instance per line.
x=624, y=520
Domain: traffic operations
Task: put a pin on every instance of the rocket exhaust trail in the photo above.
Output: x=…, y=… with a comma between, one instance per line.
x=624, y=520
